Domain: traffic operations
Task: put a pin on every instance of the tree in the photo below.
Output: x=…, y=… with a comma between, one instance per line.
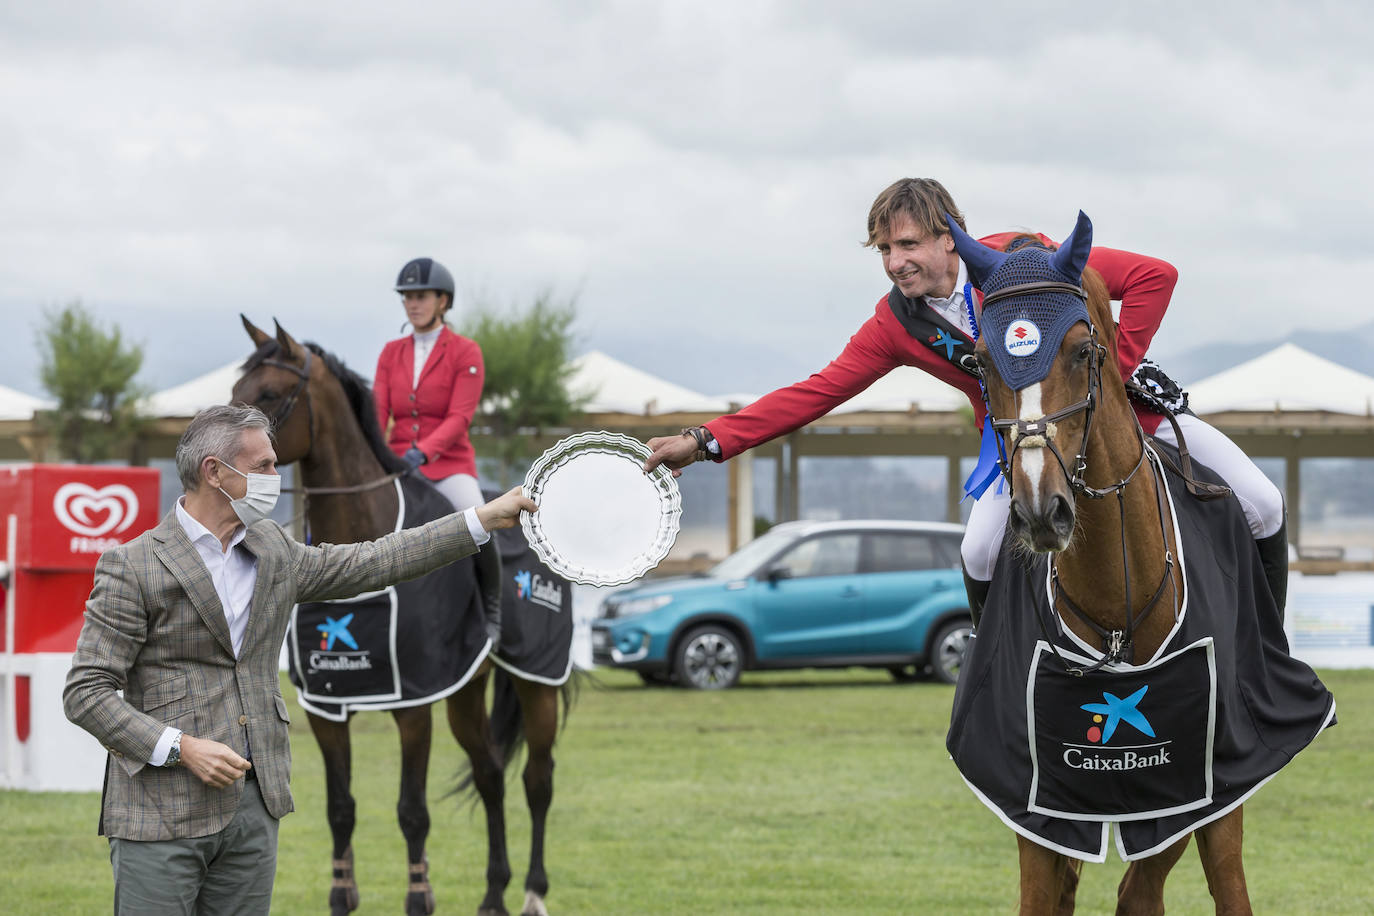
x=528, y=359
x=90, y=372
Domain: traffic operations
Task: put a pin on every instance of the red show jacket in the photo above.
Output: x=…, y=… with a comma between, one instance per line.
x=435, y=414
x=1142, y=284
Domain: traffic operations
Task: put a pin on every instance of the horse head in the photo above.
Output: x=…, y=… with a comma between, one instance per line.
x=1046, y=339
x=276, y=380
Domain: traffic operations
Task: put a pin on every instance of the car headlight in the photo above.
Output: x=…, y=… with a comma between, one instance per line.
x=635, y=606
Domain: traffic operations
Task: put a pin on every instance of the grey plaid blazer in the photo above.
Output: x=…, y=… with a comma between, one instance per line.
x=155, y=629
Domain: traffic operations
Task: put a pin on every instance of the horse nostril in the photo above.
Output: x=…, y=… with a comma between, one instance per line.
x=1016, y=517
x=1061, y=515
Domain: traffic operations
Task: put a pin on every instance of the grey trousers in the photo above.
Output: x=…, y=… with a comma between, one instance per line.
x=230, y=872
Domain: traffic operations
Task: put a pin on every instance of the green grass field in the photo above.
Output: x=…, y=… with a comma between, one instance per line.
x=796, y=793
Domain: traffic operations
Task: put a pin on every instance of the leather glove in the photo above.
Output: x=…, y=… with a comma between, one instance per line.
x=414, y=457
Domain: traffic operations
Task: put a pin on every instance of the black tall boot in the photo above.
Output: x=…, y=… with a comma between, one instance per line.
x=489, y=584
x=1273, y=552
x=977, y=591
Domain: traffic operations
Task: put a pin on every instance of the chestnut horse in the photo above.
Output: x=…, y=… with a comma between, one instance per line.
x=324, y=418
x=1085, y=492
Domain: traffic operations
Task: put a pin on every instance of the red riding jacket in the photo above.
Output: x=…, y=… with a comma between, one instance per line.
x=1142, y=284
x=435, y=414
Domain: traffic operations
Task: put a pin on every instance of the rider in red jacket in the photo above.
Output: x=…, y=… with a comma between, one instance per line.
x=428, y=386
x=926, y=321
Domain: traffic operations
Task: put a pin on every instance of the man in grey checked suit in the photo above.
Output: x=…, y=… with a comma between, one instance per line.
x=188, y=621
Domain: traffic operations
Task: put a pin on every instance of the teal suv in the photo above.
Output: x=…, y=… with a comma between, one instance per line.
x=880, y=594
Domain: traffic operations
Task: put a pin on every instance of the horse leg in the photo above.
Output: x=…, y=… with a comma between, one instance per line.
x=1219, y=846
x=1048, y=879
x=336, y=749
x=1141, y=891
x=415, y=725
x=467, y=719
x=539, y=706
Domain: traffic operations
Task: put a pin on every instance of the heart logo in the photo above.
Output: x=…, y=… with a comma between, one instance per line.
x=75, y=502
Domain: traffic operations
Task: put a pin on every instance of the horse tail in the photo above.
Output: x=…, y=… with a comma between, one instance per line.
x=507, y=721
x=507, y=718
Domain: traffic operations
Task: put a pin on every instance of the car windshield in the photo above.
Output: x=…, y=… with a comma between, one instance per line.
x=745, y=560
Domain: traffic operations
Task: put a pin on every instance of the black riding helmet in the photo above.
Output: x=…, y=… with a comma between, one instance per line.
x=425, y=273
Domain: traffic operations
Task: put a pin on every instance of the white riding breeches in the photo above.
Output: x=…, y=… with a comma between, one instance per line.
x=461, y=490
x=1259, y=498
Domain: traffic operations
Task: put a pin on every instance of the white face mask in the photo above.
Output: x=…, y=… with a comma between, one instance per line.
x=261, y=498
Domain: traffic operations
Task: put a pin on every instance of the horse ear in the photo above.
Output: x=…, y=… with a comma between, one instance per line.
x=289, y=347
x=258, y=335
x=980, y=260
x=1072, y=256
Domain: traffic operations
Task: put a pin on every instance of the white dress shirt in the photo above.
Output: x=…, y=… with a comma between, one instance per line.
x=424, y=345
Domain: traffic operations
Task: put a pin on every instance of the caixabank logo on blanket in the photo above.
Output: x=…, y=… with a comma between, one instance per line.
x=532, y=587
x=1107, y=717
x=327, y=658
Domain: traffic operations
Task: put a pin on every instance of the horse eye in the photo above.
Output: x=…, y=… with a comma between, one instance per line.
x=268, y=396
x=1084, y=352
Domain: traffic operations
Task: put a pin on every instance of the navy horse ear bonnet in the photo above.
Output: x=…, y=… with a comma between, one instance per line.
x=1024, y=331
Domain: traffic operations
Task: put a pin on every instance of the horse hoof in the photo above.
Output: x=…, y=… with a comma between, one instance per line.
x=343, y=900
x=420, y=903
x=534, y=905
x=498, y=910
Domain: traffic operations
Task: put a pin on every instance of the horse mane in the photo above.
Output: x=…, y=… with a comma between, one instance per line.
x=356, y=390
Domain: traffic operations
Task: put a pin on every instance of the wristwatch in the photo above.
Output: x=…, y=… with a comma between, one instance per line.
x=174, y=752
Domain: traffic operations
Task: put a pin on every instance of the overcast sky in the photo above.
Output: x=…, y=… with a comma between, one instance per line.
x=697, y=174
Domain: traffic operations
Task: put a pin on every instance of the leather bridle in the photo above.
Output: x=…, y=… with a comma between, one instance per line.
x=1117, y=645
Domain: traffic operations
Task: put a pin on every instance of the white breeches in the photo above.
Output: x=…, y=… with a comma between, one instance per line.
x=1261, y=500
x=461, y=490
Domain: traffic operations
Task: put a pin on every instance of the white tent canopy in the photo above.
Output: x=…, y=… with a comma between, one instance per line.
x=616, y=387
x=1286, y=378
x=189, y=398
x=16, y=405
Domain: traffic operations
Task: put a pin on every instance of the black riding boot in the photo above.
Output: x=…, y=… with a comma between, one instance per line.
x=977, y=591
x=488, y=561
x=1273, y=552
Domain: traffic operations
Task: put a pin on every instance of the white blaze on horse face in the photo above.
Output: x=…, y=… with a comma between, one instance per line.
x=1032, y=451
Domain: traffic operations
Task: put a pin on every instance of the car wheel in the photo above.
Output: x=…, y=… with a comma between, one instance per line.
x=655, y=678
x=947, y=650
x=709, y=658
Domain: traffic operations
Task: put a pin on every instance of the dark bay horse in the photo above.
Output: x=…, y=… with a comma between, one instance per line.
x=324, y=419
x=1097, y=567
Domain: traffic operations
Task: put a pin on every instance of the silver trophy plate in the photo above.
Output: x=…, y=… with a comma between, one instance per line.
x=601, y=519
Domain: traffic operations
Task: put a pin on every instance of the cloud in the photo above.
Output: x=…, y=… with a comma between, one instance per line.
x=698, y=174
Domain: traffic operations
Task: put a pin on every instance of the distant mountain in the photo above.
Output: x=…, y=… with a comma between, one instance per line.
x=1352, y=348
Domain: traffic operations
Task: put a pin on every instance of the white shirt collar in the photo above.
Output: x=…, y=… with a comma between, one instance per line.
x=427, y=337
x=195, y=530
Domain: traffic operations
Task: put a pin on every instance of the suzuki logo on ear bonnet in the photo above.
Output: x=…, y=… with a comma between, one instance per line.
x=74, y=503
x=1022, y=338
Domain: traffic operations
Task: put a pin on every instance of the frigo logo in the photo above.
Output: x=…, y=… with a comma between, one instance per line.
x=94, y=516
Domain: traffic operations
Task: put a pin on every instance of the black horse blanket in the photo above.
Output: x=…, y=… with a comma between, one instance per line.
x=1159, y=747
x=536, y=614
x=407, y=645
